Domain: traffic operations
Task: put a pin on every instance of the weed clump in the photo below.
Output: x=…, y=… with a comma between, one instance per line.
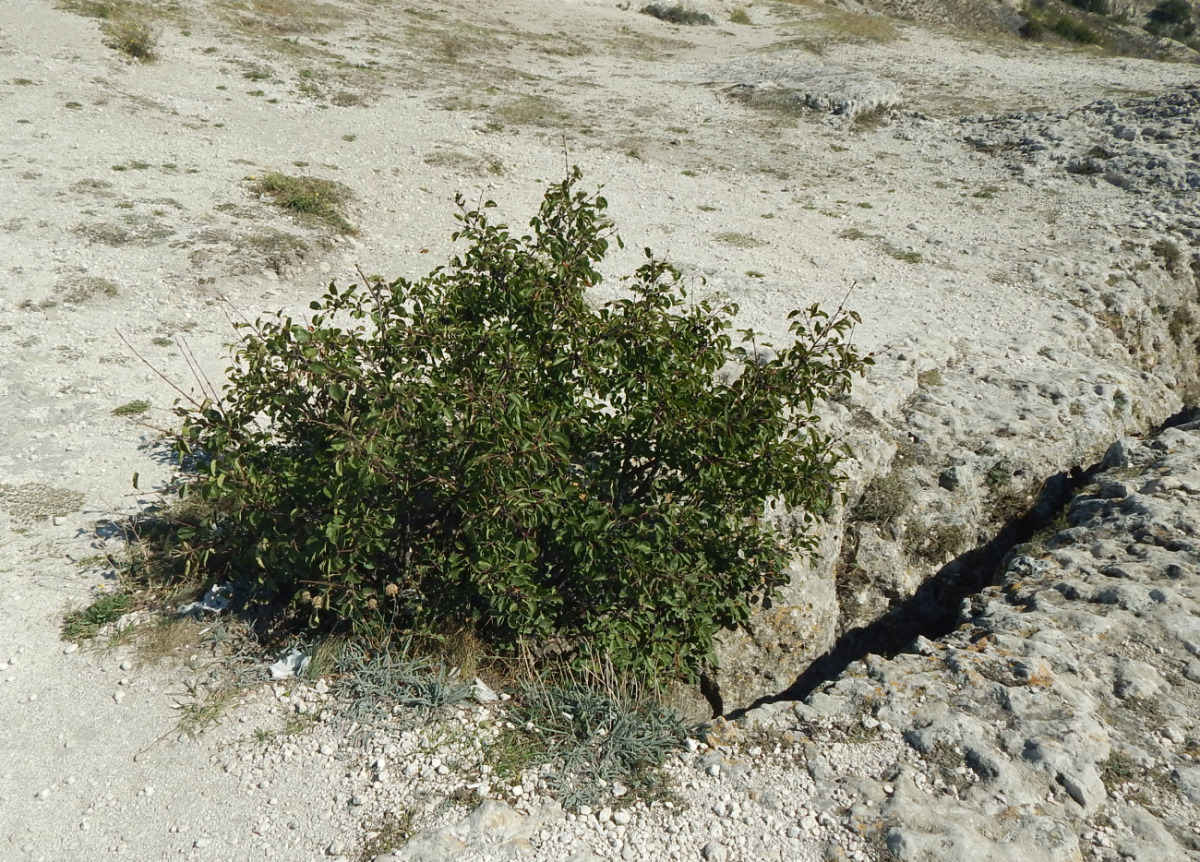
x=86, y=623
x=132, y=408
x=678, y=14
x=483, y=449
x=131, y=36
x=886, y=499
x=314, y=197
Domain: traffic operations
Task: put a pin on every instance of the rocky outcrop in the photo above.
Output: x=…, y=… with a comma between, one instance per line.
x=1059, y=720
x=961, y=447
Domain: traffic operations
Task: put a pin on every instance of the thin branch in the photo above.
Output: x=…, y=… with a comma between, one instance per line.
x=162, y=376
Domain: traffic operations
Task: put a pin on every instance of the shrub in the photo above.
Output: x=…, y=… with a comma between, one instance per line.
x=1169, y=253
x=482, y=448
x=677, y=14
x=1172, y=12
x=1171, y=19
x=1096, y=7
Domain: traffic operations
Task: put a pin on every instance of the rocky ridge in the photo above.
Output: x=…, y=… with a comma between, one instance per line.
x=956, y=436
x=1060, y=716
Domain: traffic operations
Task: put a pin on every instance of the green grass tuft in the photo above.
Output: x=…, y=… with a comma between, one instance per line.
x=308, y=196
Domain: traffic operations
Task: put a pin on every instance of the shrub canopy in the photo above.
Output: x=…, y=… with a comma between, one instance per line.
x=484, y=447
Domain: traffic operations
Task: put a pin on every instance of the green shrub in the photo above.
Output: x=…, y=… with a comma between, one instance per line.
x=1172, y=12
x=1096, y=7
x=1171, y=19
x=483, y=448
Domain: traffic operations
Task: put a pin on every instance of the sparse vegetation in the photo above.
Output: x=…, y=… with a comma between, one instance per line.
x=906, y=255
x=86, y=288
x=34, y=501
x=872, y=118
x=930, y=377
x=935, y=543
x=1042, y=17
x=739, y=240
x=738, y=15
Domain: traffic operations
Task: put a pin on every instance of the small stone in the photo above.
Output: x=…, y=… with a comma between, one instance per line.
x=44, y=793
x=70, y=648
x=336, y=848
x=714, y=852
x=200, y=843
x=621, y=818
x=118, y=696
x=127, y=665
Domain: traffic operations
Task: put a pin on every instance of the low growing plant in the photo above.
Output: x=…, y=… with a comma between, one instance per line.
x=308, y=196
x=677, y=14
x=484, y=449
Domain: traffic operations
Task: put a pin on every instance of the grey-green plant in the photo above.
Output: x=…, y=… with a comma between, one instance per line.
x=485, y=448
x=595, y=732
